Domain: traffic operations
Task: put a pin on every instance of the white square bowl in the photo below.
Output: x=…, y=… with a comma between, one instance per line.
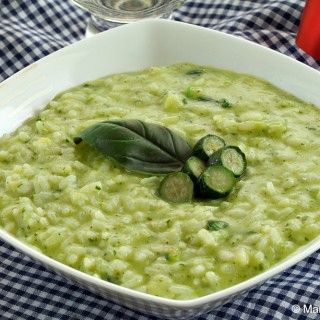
x=133, y=47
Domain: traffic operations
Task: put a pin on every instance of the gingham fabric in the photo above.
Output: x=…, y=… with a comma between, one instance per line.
x=32, y=29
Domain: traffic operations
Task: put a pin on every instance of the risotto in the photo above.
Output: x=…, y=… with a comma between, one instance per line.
x=80, y=208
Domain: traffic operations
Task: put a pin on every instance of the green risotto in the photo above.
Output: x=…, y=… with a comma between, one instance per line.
x=81, y=208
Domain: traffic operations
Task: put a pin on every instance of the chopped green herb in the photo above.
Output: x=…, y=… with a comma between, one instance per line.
x=205, y=98
x=215, y=225
x=195, y=72
x=189, y=92
x=170, y=256
x=224, y=103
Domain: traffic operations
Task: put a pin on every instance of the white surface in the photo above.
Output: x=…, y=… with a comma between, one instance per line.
x=133, y=47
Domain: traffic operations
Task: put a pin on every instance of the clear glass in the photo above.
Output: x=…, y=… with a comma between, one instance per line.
x=106, y=14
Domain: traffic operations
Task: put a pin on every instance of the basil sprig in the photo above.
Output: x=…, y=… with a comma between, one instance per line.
x=138, y=146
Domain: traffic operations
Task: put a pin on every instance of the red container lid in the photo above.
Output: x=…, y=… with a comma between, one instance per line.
x=308, y=37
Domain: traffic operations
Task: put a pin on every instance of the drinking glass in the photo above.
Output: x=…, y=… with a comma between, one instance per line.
x=106, y=14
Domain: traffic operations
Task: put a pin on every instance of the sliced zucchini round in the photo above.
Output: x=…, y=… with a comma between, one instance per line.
x=207, y=145
x=176, y=187
x=194, y=167
x=230, y=157
x=216, y=182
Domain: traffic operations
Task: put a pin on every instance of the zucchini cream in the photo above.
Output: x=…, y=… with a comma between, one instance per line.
x=76, y=206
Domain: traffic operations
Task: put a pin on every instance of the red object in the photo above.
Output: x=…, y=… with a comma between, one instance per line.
x=308, y=37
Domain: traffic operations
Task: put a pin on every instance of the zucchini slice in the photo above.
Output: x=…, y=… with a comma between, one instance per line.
x=230, y=157
x=176, y=187
x=207, y=145
x=216, y=182
x=194, y=167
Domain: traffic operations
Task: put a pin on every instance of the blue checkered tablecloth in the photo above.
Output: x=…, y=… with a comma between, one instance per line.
x=30, y=30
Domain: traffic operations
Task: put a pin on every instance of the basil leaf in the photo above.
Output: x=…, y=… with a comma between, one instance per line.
x=215, y=225
x=137, y=145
